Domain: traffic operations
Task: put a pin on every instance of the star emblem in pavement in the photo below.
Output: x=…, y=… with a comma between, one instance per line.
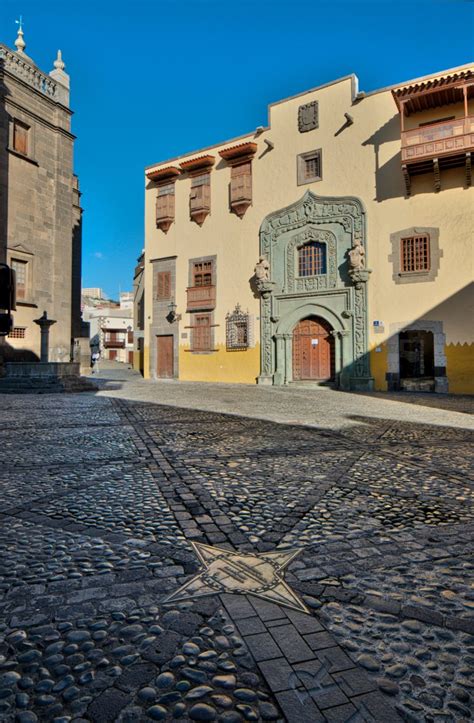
x=241, y=573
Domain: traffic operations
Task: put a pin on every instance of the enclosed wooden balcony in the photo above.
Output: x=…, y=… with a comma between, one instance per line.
x=431, y=146
x=165, y=210
x=201, y=298
x=114, y=343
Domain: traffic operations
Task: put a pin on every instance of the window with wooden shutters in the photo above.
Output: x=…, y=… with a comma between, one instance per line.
x=200, y=196
x=309, y=167
x=241, y=182
x=202, y=273
x=165, y=206
x=21, y=277
x=163, y=285
x=201, y=333
x=20, y=137
x=415, y=253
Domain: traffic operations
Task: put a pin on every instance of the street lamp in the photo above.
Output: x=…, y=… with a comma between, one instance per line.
x=172, y=315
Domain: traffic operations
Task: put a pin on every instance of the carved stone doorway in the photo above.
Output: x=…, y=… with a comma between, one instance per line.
x=313, y=350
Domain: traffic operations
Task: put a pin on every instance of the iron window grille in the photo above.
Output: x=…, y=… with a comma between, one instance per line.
x=415, y=253
x=237, y=330
x=18, y=332
x=312, y=259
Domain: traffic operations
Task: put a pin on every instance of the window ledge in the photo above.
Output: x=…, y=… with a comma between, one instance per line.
x=309, y=180
x=22, y=155
x=197, y=351
x=24, y=302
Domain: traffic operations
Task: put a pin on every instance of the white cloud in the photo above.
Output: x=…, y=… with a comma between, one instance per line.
x=98, y=254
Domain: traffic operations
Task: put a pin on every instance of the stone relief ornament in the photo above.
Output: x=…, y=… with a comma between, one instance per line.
x=308, y=117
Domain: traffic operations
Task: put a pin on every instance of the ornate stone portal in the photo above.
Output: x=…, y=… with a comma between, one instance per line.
x=339, y=295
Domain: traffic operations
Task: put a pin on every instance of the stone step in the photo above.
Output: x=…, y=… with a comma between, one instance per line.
x=24, y=385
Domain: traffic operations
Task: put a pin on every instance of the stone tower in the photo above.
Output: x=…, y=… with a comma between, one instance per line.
x=40, y=213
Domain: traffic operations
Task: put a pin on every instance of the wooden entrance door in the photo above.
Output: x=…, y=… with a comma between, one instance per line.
x=312, y=350
x=164, y=362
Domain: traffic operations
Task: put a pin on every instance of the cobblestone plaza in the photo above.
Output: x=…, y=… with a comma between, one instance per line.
x=292, y=560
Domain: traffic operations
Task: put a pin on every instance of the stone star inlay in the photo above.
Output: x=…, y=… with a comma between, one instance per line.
x=245, y=574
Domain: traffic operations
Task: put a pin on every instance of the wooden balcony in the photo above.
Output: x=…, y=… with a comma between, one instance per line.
x=201, y=298
x=165, y=211
x=114, y=344
x=447, y=143
x=438, y=140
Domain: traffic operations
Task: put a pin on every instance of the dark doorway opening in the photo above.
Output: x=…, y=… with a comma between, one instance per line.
x=416, y=360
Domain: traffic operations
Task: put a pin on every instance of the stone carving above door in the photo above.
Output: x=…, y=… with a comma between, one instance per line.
x=339, y=295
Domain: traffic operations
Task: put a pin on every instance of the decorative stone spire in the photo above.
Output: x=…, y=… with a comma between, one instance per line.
x=59, y=64
x=20, y=44
x=61, y=77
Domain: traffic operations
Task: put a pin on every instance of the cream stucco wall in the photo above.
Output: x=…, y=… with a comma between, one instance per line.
x=362, y=160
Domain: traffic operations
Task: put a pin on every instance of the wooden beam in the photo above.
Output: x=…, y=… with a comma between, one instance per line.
x=468, y=169
x=437, y=178
x=406, y=178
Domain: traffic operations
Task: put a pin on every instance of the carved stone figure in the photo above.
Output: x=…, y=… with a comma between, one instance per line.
x=357, y=257
x=262, y=269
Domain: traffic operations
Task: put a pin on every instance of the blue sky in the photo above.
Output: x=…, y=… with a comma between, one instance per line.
x=153, y=79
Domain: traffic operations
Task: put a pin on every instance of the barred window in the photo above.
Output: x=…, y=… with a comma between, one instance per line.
x=21, y=277
x=415, y=253
x=309, y=167
x=237, y=330
x=18, y=332
x=312, y=259
x=201, y=333
x=202, y=273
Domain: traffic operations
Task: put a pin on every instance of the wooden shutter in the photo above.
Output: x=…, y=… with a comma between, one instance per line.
x=201, y=333
x=20, y=138
x=241, y=182
x=163, y=285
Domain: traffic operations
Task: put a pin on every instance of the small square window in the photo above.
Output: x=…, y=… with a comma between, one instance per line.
x=309, y=167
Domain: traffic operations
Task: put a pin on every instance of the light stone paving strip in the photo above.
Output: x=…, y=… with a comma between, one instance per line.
x=101, y=537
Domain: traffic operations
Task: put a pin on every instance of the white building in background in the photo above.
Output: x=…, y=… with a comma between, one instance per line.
x=111, y=326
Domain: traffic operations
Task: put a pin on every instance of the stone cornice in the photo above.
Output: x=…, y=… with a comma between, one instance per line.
x=33, y=78
x=39, y=119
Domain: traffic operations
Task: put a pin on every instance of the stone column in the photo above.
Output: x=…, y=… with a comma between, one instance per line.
x=280, y=370
x=288, y=358
x=44, y=323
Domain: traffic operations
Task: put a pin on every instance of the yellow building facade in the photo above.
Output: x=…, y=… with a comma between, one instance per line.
x=333, y=245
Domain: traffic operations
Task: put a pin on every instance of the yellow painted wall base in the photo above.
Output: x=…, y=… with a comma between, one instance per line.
x=238, y=367
x=460, y=368
x=378, y=367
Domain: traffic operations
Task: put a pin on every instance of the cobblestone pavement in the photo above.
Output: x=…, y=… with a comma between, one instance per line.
x=102, y=496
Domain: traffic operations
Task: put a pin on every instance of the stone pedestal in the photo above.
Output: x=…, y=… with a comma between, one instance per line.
x=44, y=323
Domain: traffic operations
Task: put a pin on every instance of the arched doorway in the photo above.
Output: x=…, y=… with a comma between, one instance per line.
x=313, y=350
